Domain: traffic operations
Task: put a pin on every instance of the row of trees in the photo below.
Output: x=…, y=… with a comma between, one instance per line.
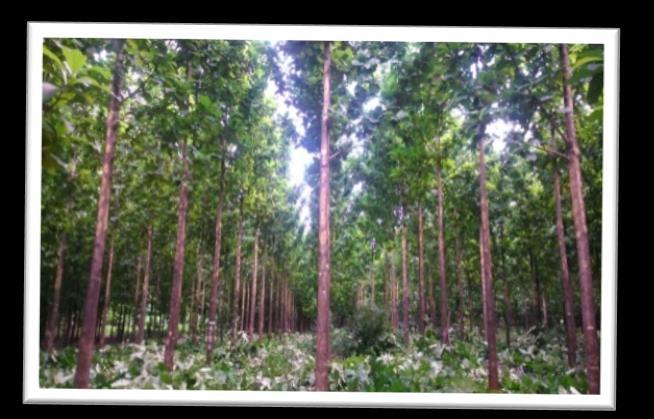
x=194, y=140
x=198, y=230
x=437, y=103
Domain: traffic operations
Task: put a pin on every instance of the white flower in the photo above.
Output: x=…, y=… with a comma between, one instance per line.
x=60, y=378
x=123, y=383
x=516, y=373
x=265, y=383
x=385, y=359
x=436, y=368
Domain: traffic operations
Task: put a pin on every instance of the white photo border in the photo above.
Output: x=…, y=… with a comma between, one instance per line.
x=37, y=31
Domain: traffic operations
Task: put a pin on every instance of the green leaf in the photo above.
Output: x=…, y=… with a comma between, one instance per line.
x=588, y=56
x=53, y=57
x=586, y=60
x=206, y=102
x=595, y=88
x=58, y=62
x=75, y=59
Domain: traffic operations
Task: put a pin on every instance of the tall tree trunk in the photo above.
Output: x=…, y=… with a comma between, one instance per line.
x=237, y=270
x=543, y=299
x=107, y=294
x=483, y=282
x=430, y=284
x=51, y=330
x=201, y=299
x=460, y=288
x=394, y=294
x=421, y=272
x=442, y=268
x=86, y=342
x=372, y=281
x=195, y=294
x=255, y=278
x=282, y=294
x=591, y=341
x=270, y=299
x=262, y=294
x=178, y=271
x=493, y=378
x=324, y=263
x=215, y=265
x=243, y=305
x=278, y=302
x=137, y=286
x=284, y=306
x=387, y=285
x=145, y=290
x=568, y=302
x=405, y=288
x=508, y=310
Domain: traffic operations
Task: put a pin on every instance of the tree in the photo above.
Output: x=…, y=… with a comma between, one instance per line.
x=324, y=274
x=215, y=266
x=442, y=264
x=53, y=321
x=86, y=342
x=145, y=290
x=581, y=233
x=107, y=295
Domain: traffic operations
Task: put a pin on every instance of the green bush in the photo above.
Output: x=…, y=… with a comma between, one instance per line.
x=370, y=331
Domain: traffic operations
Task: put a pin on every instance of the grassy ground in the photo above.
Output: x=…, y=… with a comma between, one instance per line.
x=535, y=363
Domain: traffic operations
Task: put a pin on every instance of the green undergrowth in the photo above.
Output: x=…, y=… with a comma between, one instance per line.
x=535, y=363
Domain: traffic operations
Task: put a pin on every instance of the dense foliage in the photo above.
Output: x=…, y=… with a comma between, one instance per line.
x=222, y=121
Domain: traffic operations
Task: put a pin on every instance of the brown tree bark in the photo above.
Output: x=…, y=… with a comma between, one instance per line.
x=442, y=268
x=215, y=265
x=591, y=340
x=255, y=278
x=324, y=262
x=461, y=288
x=421, y=272
x=394, y=294
x=178, y=270
x=53, y=322
x=145, y=290
x=270, y=299
x=430, y=283
x=568, y=302
x=87, y=338
x=107, y=294
x=237, y=271
x=137, y=286
x=483, y=282
x=405, y=288
x=262, y=294
x=489, y=320
x=195, y=294
x=244, y=300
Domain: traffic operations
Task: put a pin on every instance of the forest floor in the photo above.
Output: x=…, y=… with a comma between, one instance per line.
x=535, y=363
